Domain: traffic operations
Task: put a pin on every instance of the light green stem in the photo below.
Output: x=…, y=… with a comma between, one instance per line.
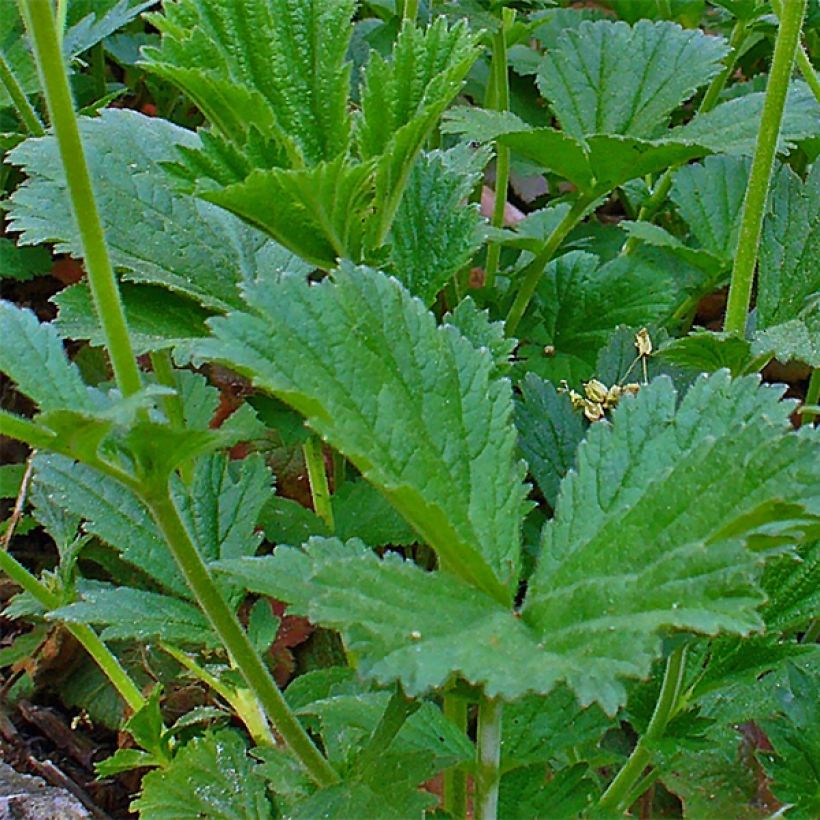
x=28, y=116
x=812, y=395
x=234, y=638
x=613, y=800
x=410, y=10
x=455, y=779
x=164, y=374
x=399, y=708
x=488, y=776
x=757, y=190
x=24, y=430
x=61, y=16
x=501, y=97
x=86, y=636
x=803, y=61
x=533, y=271
x=317, y=477
x=39, y=18
x=710, y=99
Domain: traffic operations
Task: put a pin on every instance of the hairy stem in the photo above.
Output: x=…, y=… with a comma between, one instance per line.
x=532, y=273
x=455, y=779
x=757, y=190
x=24, y=430
x=614, y=799
x=710, y=98
x=500, y=79
x=252, y=668
x=803, y=61
x=489, y=758
x=40, y=21
x=399, y=708
x=317, y=477
x=28, y=116
x=164, y=373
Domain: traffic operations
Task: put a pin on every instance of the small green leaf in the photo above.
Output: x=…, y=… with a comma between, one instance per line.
x=475, y=325
x=22, y=264
x=792, y=583
x=705, y=352
x=528, y=792
x=549, y=432
x=32, y=356
x=607, y=78
x=211, y=776
x=353, y=356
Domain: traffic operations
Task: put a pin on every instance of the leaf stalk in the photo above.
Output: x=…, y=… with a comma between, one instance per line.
x=757, y=190
x=25, y=110
x=317, y=478
x=489, y=758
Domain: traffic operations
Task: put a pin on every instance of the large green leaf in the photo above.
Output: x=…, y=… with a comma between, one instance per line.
x=641, y=543
x=211, y=776
x=578, y=305
x=607, y=78
x=270, y=66
x=414, y=406
x=32, y=356
x=154, y=233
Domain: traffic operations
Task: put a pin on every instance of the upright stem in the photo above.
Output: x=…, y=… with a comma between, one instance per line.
x=164, y=374
x=87, y=637
x=710, y=98
x=234, y=639
x=28, y=116
x=399, y=708
x=757, y=191
x=410, y=10
x=621, y=788
x=803, y=61
x=812, y=395
x=317, y=477
x=501, y=97
x=489, y=758
x=39, y=18
x=533, y=271
x=455, y=779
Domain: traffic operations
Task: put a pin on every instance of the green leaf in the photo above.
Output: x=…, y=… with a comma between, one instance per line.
x=287, y=522
x=795, y=766
x=32, y=356
x=11, y=476
x=792, y=583
x=795, y=340
x=549, y=432
x=353, y=356
x=212, y=776
x=705, y=352
x=789, y=274
x=654, y=235
x=732, y=127
x=709, y=196
x=90, y=23
x=436, y=232
x=475, y=325
x=321, y=210
x=152, y=232
x=139, y=615
x=528, y=792
x=579, y=303
x=156, y=318
x=636, y=535
x=607, y=78
x=22, y=264
x=270, y=66
x=360, y=511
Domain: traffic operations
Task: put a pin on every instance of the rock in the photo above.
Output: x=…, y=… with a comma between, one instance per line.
x=29, y=798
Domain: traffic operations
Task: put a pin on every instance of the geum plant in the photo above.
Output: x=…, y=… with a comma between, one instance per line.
x=676, y=519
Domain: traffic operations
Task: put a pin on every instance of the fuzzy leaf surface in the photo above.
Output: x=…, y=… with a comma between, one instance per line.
x=414, y=406
x=152, y=232
x=607, y=78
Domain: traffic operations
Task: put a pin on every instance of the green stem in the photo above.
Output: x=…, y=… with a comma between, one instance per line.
x=252, y=668
x=399, y=708
x=410, y=10
x=86, y=636
x=501, y=97
x=621, y=788
x=455, y=779
x=61, y=16
x=489, y=758
x=317, y=476
x=40, y=21
x=710, y=99
x=803, y=61
x=27, y=431
x=28, y=116
x=97, y=60
x=531, y=274
x=757, y=190
x=812, y=395
x=242, y=701
x=164, y=374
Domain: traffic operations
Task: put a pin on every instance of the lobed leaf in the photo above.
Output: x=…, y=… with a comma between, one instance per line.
x=415, y=407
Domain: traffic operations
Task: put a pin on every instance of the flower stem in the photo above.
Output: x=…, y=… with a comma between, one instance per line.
x=455, y=779
x=621, y=788
x=252, y=668
x=533, y=271
x=500, y=79
x=757, y=191
x=489, y=758
x=39, y=18
x=317, y=477
x=28, y=116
